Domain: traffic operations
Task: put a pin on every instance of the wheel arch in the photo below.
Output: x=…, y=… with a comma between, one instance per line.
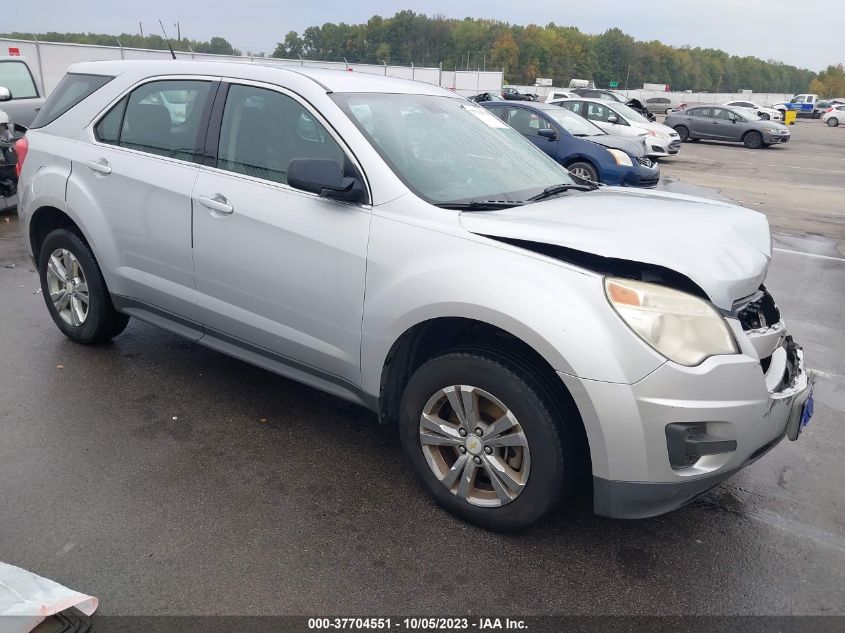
x=431, y=338
x=747, y=132
x=47, y=218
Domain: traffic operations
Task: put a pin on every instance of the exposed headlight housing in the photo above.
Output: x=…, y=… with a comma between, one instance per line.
x=620, y=157
x=658, y=134
x=678, y=325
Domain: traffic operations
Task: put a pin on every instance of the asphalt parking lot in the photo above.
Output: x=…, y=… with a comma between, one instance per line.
x=166, y=478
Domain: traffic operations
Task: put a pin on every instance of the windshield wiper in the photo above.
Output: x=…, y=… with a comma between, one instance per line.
x=554, y=190
x=480, y=205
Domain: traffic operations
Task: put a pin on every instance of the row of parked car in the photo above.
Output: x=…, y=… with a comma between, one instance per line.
x=606, y=125
x=598, y=135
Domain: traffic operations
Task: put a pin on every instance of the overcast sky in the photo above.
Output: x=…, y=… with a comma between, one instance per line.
x=808, y=33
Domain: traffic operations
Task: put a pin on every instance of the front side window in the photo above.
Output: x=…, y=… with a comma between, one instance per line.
x=597, y=112
x=16, y=77
x=160, y=117
x=574, y=124
x=450, y=150
x=263, y=130
x=526, y=122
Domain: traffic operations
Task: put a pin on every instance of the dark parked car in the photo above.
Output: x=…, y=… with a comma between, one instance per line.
x=579, y=145
x=512, y=94
x=726, y=123
x=610, y=95
x=485, y=96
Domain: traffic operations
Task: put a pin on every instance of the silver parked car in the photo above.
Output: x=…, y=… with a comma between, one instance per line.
x=661, y=105
x=725, y=123
x=396, y=245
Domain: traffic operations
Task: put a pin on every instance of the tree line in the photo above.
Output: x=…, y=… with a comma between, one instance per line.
x=527, y=52
x=216, y=45
x=524, y=53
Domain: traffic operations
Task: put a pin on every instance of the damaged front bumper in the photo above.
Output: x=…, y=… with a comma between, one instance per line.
x=680, y=431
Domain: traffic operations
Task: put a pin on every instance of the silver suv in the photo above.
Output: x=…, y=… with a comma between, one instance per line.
x=398, y=246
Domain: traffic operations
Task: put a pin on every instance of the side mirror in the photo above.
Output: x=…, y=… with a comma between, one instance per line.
x=325, y=178
x=612, y=118
x=5, y=94
x=547, y=133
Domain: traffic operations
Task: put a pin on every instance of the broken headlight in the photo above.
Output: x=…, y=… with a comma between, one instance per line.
x=680, y=326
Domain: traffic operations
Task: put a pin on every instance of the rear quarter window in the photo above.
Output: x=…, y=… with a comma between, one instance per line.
x=72, y=89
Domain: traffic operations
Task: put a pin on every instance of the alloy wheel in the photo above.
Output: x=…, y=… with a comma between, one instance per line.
x=68, y=287
x=474, y=445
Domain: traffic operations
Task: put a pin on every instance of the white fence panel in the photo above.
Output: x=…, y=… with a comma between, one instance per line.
x=52, y=59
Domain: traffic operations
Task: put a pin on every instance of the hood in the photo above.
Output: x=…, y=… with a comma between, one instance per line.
x=723, y=248
x=633, y=146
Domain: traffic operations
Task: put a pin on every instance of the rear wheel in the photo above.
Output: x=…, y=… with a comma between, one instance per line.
x=584, y=170
x=482, y=435
x=683, y=132
x=753, y=140
x=75, y=291
x=832, y=121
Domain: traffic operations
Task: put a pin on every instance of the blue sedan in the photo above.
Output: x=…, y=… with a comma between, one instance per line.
x=582, y=147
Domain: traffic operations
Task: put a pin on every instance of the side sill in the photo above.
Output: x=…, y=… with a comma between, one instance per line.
x=247, y=352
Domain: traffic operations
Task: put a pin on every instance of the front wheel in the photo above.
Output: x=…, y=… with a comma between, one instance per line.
x=584, y=171
x=482, y=435
x=75, y=291
x=683, y=132
x=832, y=121
x=765, y=116
x=753, y=140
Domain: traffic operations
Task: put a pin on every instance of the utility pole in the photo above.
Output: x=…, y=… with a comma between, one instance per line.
x=719, y=84
x=628, y=74
x=141, y=26
x=178, y=32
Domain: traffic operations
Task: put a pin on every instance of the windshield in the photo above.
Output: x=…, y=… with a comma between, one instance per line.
x=618, y=97
x=573, y=123
x=629, y=113
x=451, y=150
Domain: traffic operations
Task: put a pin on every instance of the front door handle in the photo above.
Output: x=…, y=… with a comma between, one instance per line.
x=216, y=202
x=101, y=166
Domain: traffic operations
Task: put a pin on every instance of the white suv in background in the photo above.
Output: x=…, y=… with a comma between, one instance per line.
x=834, y=115
x=396, y=245
x=619, y=119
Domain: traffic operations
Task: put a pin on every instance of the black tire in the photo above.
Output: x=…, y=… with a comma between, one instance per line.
x=102, y=322
x=832, y=122
x=592, y=173
x=549, y=433
x=683, y=132
x=753, y=140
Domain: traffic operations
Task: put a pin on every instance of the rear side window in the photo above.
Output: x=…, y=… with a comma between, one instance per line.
x=72, y=89
x=160, y=117
x=16, y=77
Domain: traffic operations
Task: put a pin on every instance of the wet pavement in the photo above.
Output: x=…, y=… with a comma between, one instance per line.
x=166, y=478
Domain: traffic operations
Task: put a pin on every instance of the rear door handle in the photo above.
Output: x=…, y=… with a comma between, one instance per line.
x=101, y=166
x=216, y=202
